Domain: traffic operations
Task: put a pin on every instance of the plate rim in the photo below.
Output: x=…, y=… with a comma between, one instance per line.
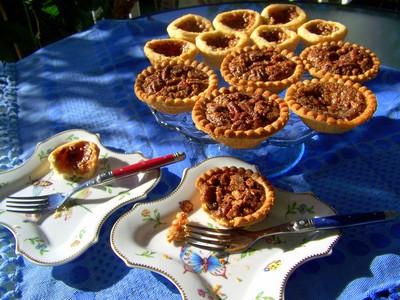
x=173, y=279
x=95, y=238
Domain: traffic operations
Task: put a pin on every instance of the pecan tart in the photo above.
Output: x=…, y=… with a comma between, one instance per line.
x=267, y=68
x=235, y=197
x=243, y=20
x=341, y=60
x=165, y=49
x=75, y=160
x=331, y=106
x=318, y=31
x=272, y=36
x=188, y=27
x=215, y=45
x=287, y=16
x=174, y=86
x=240, y=118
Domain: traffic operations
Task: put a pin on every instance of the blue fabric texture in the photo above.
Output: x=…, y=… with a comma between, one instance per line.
x=85, y=81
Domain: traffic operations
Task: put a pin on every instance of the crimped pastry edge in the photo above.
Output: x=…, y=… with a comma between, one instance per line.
x=189, y=52
x=175, y=32
x=309, y=38
x=247, y=220
x=239, y=138
x=328, y=124
x=272, y=86
x=368, y=75
x=291, y=25
x=289, y=44
x=223, y=27
x=173, y=105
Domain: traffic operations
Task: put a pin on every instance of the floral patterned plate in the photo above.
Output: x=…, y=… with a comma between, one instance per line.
x=260, y=273
x=65, y=234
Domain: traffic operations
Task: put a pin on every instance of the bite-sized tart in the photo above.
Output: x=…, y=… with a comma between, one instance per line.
x=287, y=16
x=318, y=31
x=165, y=49
x=174, y=86
x=272, y=36
x=215, y=45
x=331, y=106
x=188, y=27
x=235, y=197
x=243, y=20
x=267, y=68
x=341, y=60
x=240, y=118
x=75, y=160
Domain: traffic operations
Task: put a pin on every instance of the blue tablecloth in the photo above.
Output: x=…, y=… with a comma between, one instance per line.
x=85, y=81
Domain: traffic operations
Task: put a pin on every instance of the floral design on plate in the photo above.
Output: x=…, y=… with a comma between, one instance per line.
x=200, y=274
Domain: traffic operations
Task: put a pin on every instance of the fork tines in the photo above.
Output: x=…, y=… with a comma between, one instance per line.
x=26, y=204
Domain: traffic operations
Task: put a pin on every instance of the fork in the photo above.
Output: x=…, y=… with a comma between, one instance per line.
x=49, y=203
x=237, y=240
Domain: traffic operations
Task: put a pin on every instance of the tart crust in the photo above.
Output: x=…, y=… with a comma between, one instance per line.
x=208, y=44
x=188, y=27
x=75, y=160
x=273, y=86
x=243, y=20
x=273, y=16
x=327, y=123
x=166, y=49
x=245, y=220
x=311, y=32
x=317, y=72
x=239, y=139
x=166, y=103
x=266, y=35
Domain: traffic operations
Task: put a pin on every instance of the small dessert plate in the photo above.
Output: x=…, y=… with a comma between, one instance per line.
x=139, y=239
x=59, y=237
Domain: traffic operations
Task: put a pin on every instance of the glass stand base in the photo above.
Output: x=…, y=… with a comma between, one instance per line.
x=272, y=161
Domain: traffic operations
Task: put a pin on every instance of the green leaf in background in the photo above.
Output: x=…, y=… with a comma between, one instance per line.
x=51, y=10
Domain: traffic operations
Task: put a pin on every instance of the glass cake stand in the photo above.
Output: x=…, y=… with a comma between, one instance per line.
x=274, y=157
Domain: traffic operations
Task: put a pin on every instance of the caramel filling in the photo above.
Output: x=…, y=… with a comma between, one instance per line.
x=282, y=15
x=273, y=36
x=238, y=21
x=332, y=99
x=75, y=157
x=221, y=41
x=192, y=25
x=232, y=194
x=168, y=48
x=176, y=81
x=322, y=28
x=261, y=65
x=238, y=111
x=344, y=60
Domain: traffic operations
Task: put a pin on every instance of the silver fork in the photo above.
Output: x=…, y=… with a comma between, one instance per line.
x=237, y=240
x=49, y=203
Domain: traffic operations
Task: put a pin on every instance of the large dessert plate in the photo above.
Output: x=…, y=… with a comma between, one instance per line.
x=261, y=272
x=59, y=237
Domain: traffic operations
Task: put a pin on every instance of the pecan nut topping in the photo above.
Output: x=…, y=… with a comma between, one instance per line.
x=282, y=15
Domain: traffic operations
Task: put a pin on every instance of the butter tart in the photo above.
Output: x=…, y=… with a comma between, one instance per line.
x=340, y=60
x=331, y=106
x=272, y=36
x=267, y=68
x=287, y=16
x=243, y=20
x=174, y=86
x=240, y=118
x=75, y=160
x=215, y=45
x=318, y=31
x=165, y=49
x=188, y=27
x=235, y=197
